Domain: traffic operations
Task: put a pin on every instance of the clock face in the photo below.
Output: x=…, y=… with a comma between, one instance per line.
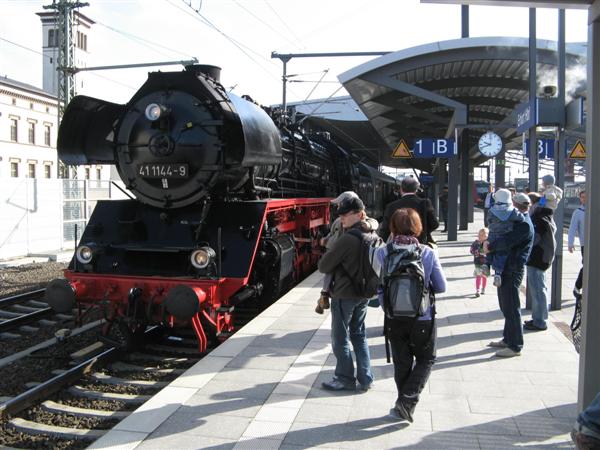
x=490, y=144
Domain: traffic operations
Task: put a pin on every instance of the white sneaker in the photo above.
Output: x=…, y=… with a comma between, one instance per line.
x=498, y=344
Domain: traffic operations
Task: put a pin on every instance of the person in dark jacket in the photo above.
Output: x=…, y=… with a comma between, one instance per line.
x=488, y=202
x=409, y=199
x=520, y=240
x=540, y=259
x=444, y=207
x=348, y=308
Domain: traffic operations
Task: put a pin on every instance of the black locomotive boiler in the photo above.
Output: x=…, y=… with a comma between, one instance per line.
x=228, y=210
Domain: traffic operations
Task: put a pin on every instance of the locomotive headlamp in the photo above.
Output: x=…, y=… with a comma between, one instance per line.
x=154, y=111
x=84, y=254
x=202, y=257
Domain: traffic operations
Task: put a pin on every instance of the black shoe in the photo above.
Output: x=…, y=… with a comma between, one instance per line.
x=529, y=325
x=365, y=387
x=403, y=411
x=337, y=385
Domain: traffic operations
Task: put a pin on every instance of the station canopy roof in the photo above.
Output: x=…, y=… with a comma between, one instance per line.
x=344, y=121
x=413, y=93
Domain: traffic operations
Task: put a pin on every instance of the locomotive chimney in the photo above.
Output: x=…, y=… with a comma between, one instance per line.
x=213, y=72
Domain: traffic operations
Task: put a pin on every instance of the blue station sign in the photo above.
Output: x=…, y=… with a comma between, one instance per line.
x=545, y=148
x=526, y=113
x=434, y=148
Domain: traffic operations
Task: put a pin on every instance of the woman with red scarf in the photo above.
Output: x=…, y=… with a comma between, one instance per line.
x=412, y=339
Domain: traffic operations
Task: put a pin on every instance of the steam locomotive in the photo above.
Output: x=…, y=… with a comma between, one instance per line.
x=228, y=209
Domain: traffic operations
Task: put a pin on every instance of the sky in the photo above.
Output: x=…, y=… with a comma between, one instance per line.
x=239, y=36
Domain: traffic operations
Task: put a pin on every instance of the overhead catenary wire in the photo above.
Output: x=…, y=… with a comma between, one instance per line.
x=46, y=56
x=284, y=23
x=267, y=24
x=325, y=72
x=143, y=41
x=243, y=48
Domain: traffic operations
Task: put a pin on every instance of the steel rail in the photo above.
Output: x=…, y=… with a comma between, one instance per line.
x=55, y=384
x=15, y=299
x=16, y=322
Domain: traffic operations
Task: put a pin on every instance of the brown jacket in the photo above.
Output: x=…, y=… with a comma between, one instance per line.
x=341, y=261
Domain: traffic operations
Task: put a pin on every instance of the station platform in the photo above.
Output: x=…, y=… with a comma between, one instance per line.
x=261, y=389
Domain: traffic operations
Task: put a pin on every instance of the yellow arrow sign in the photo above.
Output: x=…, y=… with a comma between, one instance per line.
x=578, y=151
x=401, y=150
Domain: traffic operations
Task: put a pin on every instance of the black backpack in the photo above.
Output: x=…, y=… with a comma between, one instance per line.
x=403, y=279
x=366, y=282
x=405, y=295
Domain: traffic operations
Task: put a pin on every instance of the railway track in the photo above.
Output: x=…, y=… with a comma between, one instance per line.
x=26, y=320
x=22, y=309
x=97, y=387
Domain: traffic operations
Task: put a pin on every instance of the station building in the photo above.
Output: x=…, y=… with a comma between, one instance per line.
x=42, y=207
x=29, y=114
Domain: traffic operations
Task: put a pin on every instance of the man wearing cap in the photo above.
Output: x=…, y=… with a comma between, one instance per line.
x=348, y=308
x=410, y=199
x=520, y=240
x=368, y=224
x=540, y=259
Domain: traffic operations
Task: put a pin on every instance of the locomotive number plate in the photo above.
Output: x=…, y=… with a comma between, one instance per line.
x=163, y=170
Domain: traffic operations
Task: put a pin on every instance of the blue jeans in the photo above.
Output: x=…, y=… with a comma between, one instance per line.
x=590, y=416
x=510, y=305
x=537, y=292
x=348, y=325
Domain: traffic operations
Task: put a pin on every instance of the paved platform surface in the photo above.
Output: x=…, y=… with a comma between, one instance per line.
x=261, y=388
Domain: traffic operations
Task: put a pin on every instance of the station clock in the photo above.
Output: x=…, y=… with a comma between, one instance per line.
x=490, y=144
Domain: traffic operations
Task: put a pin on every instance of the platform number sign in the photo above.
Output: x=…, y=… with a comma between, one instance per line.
x=434, y=148
x=545, y=148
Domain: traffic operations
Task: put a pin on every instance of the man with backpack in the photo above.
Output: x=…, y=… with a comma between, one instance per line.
x=411, y=274
x=354, y=282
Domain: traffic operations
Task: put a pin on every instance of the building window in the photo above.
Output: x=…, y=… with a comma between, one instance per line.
x=81, y=41
x=14, y=101
x=14, y=169
x=52, y=38
x=47, y=135
x=48, y=171
x=98, y=174
x=31, y=170
x=47, y=107
x=13, y=130
x=30, y=105
x=31, y=133
x=87, y=173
